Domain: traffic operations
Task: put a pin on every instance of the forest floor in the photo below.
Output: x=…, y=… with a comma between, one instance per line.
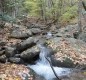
x=62, y=42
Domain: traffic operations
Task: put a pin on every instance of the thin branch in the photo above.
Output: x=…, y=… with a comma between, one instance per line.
x=52, y=69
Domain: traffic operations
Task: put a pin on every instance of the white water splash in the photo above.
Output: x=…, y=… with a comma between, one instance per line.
x=42, y=67
x=49, y=34
x=46, y=71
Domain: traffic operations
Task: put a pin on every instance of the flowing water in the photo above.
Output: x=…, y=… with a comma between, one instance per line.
x=42, y=67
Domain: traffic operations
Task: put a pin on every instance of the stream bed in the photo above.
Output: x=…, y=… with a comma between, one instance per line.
x=43, y=68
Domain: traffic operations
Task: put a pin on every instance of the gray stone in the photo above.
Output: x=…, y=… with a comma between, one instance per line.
x=15, y=60
x=21, y=34
x=25, y=44
x=30, y=53
x=9, y=51
x=3, y=58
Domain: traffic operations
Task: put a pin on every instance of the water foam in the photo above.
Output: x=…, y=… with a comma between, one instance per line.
x=46, y=71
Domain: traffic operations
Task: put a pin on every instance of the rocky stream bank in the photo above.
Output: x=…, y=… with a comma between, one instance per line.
x=18, y=47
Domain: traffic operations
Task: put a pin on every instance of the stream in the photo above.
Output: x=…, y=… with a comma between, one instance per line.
x=43, y=68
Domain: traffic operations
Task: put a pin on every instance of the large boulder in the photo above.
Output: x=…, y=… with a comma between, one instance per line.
x=69, y=52
x=25, y=44
x=21, y=34
x=30, y=53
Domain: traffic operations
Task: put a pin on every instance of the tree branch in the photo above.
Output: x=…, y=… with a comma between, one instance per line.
x=52, y=69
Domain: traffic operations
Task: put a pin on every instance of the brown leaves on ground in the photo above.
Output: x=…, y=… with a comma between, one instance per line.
x=14, y=72
x=4, y=36
x=66, y=49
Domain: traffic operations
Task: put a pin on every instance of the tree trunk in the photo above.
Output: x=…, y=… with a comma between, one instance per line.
x=80, y=15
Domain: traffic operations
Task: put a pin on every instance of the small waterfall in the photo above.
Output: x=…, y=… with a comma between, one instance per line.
x=43, y=53
x=49, y=34
x=42, y=66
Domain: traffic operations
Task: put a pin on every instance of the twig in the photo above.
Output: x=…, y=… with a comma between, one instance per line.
x=53, y=69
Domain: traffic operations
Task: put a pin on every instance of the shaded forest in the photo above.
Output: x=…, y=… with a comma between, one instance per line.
x=50, y=11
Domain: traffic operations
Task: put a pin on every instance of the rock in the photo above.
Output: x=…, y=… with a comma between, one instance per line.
x=2, y=23
x=65, y=63
x=82, y=37
x=25, y=44
x=3, y=59
x=68, y=31
x=15, y=60
x=35, y=25
x=58, y=35
x=2, y=43
x=18, y=26
x=2, y=52
x=30, y=53
x=21, y=34
x=69, y=51
x=9, y=51
x=8, y=25
x=17, y=55
x=35, y=30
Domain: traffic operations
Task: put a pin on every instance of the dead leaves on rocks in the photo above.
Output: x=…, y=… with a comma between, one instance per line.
x=66, y=48
x=14, y=72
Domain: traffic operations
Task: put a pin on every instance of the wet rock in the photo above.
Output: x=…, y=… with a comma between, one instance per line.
x=25, y=44
x=9, y=51
x=17, y=55
x=65, y=63
x=3, y=58
x=15, y=60
x=21, y=34
x=30, y=53
x=44, y=48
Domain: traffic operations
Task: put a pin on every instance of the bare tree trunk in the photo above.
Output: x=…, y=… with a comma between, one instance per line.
x=79, y=15
x=43, y=9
